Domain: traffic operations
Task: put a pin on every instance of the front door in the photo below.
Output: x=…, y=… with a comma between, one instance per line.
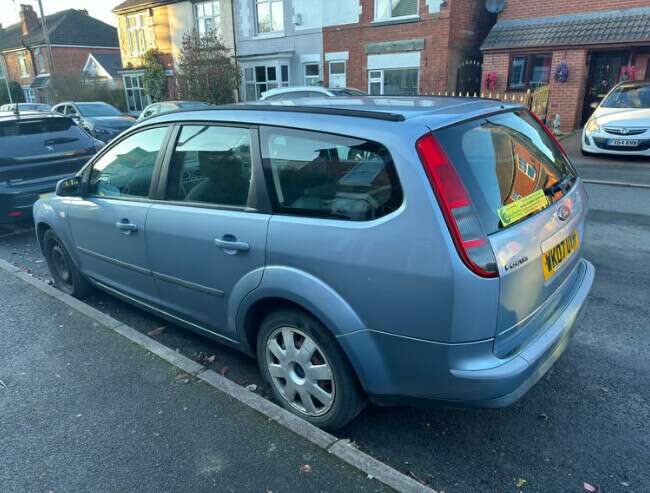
x=604, y=73
x=206, y=239
x=108, y=225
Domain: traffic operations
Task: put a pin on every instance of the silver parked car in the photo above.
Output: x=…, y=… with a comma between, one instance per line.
x=298, y=92
x=360, y=249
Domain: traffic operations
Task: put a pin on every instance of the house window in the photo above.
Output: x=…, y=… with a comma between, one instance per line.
x=529, y=70
x=312, y=74
x=261, y=78
x=393, y=9
x=393, y=82
x=208, y=17
x=30, y=95
x=338, y=74
x=138, y=38
x=136, y=98
x=270, y=16
x=22, y=66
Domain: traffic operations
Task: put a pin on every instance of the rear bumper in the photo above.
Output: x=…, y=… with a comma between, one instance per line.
x=16, y=203
x=397, y=370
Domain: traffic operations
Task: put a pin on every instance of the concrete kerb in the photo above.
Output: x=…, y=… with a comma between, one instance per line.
x=342, y=449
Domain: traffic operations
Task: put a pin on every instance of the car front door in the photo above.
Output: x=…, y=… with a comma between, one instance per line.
x=206, y=236
x=108, y=223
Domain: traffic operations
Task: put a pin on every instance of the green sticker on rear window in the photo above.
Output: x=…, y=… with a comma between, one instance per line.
x=515, y=211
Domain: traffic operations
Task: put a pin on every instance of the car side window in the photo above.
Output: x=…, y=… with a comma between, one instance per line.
x=127, y=168
x=212, y=165
x=60, y=109
x=329, y=176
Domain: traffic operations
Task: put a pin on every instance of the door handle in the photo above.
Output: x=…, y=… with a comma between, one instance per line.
x=230, y=245
x=126, y=227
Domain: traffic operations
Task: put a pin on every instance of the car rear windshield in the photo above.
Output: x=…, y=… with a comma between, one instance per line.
x=97, y=109
x=35, y=126
x=504, y=158
x=628, y=97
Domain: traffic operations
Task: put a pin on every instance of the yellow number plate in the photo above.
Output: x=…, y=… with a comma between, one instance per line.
x=555, y=257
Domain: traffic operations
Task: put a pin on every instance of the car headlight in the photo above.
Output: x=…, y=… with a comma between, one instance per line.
x=592, y=126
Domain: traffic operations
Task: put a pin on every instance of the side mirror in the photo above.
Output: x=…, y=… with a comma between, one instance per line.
x=70, y=187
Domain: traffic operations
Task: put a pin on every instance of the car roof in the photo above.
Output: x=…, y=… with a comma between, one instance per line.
x=28, y=114
x=386, y=112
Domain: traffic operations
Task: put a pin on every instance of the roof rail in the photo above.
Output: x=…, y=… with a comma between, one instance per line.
x=320, y=110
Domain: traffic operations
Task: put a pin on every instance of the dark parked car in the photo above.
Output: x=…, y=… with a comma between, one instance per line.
x=168, y=106
x=99, y=119
x=36, y=151
x=25, y=107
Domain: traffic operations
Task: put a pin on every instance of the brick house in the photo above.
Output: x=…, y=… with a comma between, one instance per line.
x=596, y=43
x=161, y=24
x=408, y=47
x=73, y=36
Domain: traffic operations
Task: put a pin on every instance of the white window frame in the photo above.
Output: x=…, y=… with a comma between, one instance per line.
x=30, y=94
x=312, y=80
x=277, y=82
x=257, y=21
x=137, y=33
x=200, y=16
x=390, y=17
x=137, y=85
x=344, y=75
x=22, y=66
x=377, y=76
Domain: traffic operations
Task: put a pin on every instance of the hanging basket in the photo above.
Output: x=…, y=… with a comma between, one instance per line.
x=562, y=73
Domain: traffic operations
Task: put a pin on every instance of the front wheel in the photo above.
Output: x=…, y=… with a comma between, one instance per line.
x=64, y=272
x=307, y=370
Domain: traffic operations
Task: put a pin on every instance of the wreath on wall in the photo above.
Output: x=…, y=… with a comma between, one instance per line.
x=562, y=72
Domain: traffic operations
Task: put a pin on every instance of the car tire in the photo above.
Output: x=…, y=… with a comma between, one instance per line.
x=293, y=351
x=64, y=272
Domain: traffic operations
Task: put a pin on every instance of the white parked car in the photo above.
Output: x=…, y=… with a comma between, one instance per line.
x=621, y=123
x=309, y=92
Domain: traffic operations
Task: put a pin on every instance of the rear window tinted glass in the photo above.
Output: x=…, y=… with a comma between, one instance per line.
x=36, y=126
x=322, y=175
x=503, y=158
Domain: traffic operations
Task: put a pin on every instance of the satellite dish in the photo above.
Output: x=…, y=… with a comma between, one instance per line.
x=495, y=6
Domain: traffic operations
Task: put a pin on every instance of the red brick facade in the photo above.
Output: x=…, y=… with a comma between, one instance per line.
x=449, y=36
x=566, y=99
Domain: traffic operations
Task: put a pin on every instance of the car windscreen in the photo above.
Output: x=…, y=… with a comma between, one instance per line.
x=347, y=92
x=504, y=158
x=628, y=97
x=35, y=126
x=97, y=109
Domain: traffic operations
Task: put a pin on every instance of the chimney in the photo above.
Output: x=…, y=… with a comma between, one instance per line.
x=28, y=19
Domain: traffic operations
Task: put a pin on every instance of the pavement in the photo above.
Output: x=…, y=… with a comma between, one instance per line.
x=586, y=421
x=85, y=409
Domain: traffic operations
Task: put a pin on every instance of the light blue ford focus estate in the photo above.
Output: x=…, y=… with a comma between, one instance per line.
x=389, y=250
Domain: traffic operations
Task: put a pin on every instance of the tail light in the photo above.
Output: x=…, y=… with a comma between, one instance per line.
x=14, y=214
x=463, y=223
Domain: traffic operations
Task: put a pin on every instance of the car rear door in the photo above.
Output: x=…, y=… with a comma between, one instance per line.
x=108, y=223
x=532, y=206
x=206, y=236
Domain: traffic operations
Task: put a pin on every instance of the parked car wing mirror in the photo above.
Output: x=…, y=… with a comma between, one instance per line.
x=69, y=187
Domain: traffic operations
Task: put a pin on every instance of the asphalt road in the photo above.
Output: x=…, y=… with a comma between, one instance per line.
x=586, y=421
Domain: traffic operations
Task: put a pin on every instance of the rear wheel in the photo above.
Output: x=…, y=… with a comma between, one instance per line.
x=307, y=370
x=64, y=272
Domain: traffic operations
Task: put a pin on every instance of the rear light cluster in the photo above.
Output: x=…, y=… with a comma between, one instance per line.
x=463, y=223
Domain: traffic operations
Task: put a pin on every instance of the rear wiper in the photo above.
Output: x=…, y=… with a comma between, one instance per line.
x=561, y=186
x=60, y=140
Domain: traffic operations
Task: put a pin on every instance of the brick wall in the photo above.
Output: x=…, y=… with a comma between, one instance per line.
x=450, y=35
x=516, y=9
x=13, y=69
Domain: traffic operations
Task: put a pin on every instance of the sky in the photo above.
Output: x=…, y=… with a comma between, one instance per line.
x=101, y=9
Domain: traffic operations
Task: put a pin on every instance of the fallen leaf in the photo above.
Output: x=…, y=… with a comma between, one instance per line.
x=589, y=487
x=520, y=482
x=306, y=468
x=224, y=371
x=252, y=387
x=210, y=359
x=156, y=332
